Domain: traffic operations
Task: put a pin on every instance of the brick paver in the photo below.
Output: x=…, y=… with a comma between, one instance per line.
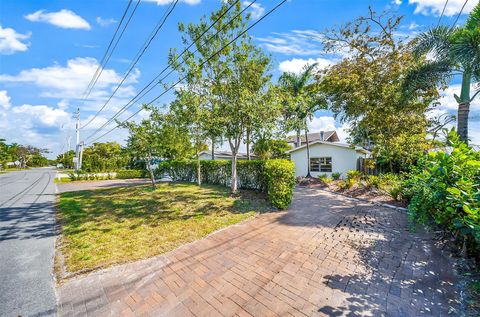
x=326, y=256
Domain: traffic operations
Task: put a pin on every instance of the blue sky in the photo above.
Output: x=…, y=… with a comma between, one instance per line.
x=49, y=51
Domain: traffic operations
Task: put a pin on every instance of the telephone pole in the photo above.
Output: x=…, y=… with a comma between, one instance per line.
x=76, y=160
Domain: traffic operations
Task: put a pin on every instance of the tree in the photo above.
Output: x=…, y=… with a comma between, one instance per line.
x=365, y=89
x=104, y=156
x=142, y=143
x=232, y=75
x=66, y=159
x=301, y=100
x=453, y=50
x=157, y=138
x=271, y=149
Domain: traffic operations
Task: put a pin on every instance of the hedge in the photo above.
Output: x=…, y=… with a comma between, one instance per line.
x=127, y=174
x=275, y=177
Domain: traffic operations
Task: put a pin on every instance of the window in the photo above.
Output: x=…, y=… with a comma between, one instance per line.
x=321, y=164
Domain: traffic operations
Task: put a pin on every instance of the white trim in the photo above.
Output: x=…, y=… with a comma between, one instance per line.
x=357, y=148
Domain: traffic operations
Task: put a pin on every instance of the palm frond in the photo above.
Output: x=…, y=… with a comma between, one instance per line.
x=473, y=20
x=426, y=76
x=435, y=41
x=466, y=49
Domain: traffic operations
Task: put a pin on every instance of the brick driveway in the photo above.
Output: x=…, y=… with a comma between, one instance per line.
x=326, y=256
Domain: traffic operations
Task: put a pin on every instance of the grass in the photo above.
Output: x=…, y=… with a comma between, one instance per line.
x=116, y=225
x=62, y=180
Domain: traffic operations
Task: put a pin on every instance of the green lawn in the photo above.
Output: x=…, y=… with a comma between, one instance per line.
x=116, y=225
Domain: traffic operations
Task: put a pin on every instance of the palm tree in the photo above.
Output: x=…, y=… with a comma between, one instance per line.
x=300, y=102
x=454, y=51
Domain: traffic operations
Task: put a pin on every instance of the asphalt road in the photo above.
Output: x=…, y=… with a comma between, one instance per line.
x=27, y=234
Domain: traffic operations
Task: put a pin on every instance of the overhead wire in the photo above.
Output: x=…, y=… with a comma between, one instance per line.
x=203, y=63
x=107, y=55
x=145, y=90
x=140, y=53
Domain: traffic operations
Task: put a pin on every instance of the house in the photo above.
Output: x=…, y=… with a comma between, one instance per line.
x=327, y=136
x=222, y=155
x=326, y=157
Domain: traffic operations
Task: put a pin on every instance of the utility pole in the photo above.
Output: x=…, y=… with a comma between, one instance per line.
x=76, y=160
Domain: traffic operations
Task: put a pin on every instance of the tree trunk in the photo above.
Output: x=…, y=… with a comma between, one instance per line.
x=308, y=153
x=233, y=184
x=213, y=149
x=464, y=107
x=248, y=144
x=149, y=168
x=199, y=170
x=299, y=142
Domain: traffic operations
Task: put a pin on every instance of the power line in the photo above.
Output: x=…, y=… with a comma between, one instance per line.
x=132, y=101
x=459, y=13
x=140, y=53
x=101, y=64
x=203, y=63
x=443, y=11
x=104, y=59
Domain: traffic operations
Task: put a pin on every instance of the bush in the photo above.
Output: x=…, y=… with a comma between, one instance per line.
x=446, y=187
x=251, y=175
x=280, y=176
x=336, y=176
x=127, y=174
x=354, y=175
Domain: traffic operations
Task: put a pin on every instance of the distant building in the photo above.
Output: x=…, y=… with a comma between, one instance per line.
x=327, y=136
x=223, y=155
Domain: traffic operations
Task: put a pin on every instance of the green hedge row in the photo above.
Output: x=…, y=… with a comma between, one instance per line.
x=275, y=177
x=127, y=174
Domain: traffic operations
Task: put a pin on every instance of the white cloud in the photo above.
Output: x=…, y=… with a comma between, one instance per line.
x=44, y=115
x=4, y=100
x=256, y=9
x=64, y=19
x=70, y=81
x=164, y=2
x=105, y=22
x=435, y=7
x=296, y=42
x=296, y=65
x=11, y=41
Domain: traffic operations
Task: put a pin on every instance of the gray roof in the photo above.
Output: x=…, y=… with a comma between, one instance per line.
x=315, y=136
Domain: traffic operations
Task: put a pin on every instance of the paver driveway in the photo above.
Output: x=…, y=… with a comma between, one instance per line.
x=326, y=256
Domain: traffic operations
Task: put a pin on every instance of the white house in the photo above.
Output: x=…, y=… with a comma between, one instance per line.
x=326, y=157
x=223, y=155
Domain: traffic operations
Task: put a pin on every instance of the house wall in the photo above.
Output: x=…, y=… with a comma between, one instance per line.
x=343, y=159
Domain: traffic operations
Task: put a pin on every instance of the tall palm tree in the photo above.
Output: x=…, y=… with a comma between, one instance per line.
x=300, y=102
x=453, y=50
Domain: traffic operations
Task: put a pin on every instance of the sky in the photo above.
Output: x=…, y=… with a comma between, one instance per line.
x=50, y=49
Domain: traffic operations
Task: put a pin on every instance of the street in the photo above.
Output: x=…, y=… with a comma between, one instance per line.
x=27, y=235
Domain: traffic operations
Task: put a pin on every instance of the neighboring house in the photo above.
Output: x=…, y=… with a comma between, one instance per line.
x=223, y=155
x=327, y=136
x=326, y=158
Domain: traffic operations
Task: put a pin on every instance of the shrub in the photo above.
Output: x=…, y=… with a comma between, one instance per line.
x=127, y=174
x=336, y=176
x=354, y=175
x=251, y=175
x=372, y=181
x=280, y=176
x=446, y=187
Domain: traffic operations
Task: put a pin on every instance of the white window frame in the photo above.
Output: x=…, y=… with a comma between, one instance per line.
x=325, y=164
